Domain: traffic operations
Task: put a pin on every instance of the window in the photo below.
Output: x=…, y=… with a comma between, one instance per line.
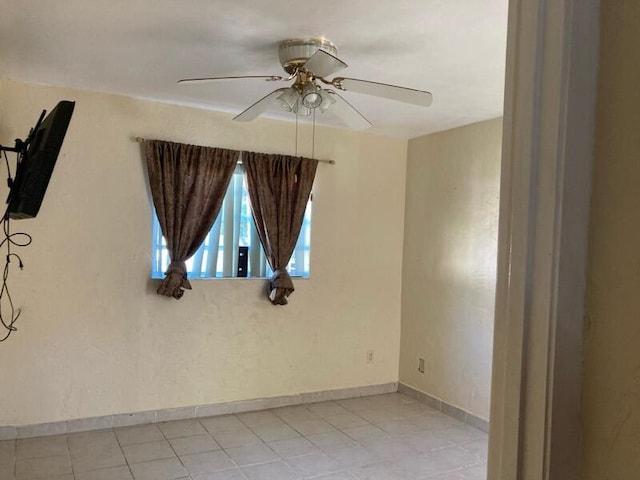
x=219, y=254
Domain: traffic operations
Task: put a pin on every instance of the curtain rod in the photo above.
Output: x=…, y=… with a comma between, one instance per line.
x=330, y=162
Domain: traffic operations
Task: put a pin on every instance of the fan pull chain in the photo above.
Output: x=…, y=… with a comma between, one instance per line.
x=296, y=154
x=313, y=136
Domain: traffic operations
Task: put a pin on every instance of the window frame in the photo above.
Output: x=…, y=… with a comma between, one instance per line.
x=237, y=186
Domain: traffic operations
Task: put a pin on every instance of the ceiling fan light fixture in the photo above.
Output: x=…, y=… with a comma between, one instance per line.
x=311, y=97
x=288, y=99
x=327, y=100
x=301, y=110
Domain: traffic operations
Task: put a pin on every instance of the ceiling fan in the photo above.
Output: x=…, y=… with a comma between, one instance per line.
x=308, y=62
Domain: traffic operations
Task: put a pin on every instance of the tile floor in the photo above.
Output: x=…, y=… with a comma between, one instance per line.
x=381, y=437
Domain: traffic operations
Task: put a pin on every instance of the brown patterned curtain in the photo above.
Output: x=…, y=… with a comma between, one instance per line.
x=188, y=184
x=279, y=187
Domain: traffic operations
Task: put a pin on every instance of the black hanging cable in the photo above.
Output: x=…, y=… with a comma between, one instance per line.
x=17, y=239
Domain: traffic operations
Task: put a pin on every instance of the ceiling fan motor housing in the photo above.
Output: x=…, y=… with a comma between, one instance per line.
x=295, y=52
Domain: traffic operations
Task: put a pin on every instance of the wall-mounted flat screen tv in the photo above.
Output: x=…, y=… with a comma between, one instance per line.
x=36, y=162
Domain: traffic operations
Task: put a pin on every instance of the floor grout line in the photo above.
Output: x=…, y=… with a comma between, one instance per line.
x=126, y=460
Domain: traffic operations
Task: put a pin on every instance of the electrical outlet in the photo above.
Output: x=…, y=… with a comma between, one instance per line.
x=421, y=365
x=369, y=356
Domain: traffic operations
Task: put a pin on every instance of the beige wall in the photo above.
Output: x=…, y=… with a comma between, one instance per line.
x=95, y=339
x=449, y=267
x=611, y=389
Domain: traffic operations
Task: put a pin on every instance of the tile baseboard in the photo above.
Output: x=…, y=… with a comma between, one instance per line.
x=446, y=408
x=180, y=413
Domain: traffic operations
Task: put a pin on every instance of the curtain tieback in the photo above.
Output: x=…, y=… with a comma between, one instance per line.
x=175, y=280
x=280, y=286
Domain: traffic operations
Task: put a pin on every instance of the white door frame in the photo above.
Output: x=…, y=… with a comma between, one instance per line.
x=552, y=57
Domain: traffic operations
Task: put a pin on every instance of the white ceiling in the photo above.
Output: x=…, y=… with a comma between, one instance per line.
x=452, y=48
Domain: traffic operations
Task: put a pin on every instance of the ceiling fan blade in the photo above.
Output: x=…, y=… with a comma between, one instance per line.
x=268, y=78
x=348, y=113
x=323, y=64
x=259, y=107
x=393, y=92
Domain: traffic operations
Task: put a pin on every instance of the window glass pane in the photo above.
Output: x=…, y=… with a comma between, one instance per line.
x=234, y=227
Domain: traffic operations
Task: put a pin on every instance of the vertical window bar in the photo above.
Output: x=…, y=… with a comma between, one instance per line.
x=196, y=266
x=237, y=217
x=157, y=268
x=298, y=255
